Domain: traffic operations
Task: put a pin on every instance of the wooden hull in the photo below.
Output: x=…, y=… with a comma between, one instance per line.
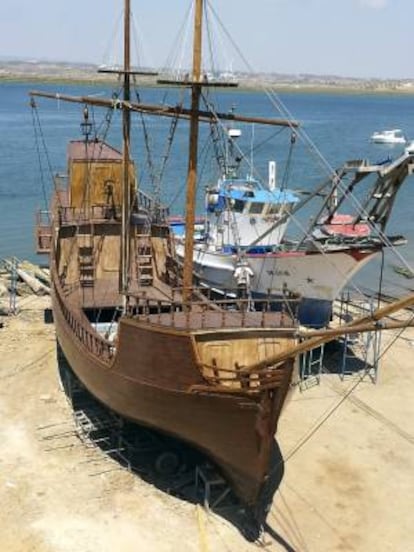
x=176, y=367
x=148, y=382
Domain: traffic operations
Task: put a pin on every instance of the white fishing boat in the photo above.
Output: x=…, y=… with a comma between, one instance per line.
x=394, y=136
x=239, y=209
x=335, y=246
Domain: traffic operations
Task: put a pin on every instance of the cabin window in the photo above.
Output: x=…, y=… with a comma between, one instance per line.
x=274, y=209
x=256, y=208
x=238, y=205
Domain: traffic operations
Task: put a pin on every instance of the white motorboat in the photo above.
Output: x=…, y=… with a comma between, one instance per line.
x=394, y=136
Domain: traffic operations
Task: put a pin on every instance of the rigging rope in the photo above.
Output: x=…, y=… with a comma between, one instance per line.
x=331, y=410
x=39, y=156
x=217, y=141
x=182, y=36
x=292, y=217
x=156, y=177
x=165, y=157
x=38, y=126
x=113, y=40
x=147, y=143
x=277, y=102
x=268, y=139
x=286, y=175
x=209, y=39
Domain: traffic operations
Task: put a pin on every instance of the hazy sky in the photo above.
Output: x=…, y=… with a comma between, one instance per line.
x=361, y=38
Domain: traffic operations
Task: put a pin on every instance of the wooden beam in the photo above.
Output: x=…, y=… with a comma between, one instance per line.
x=163, y=111
x=363, y=324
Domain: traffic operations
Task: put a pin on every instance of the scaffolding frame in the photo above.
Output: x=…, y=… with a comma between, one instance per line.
x=310, y=367
x=365, y=346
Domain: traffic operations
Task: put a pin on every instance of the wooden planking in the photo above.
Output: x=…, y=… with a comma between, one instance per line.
x=97, y=182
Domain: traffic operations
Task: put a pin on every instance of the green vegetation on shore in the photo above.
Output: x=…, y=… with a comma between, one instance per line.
x=64, y=73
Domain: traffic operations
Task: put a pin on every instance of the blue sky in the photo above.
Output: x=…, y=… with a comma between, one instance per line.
x=360, y=38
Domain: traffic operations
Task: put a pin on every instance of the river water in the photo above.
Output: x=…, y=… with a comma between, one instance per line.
x=338, y=124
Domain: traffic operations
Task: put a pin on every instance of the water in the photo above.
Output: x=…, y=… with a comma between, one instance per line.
x=338, y=124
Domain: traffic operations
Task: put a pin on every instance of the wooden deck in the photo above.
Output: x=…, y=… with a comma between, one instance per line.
x=105, y=294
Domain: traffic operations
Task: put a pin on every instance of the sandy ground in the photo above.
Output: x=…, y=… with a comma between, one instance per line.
x=348, y=485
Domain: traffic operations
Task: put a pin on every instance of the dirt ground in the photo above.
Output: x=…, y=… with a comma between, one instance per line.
x=348, y=446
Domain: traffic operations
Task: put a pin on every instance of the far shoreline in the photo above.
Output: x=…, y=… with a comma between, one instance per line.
x=245, y=84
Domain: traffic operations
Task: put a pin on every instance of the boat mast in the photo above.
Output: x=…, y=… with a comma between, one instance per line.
x=193, y=152
x=126, y=131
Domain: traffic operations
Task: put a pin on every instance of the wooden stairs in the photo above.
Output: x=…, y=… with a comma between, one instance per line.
x=144, y=267
x=86, y=260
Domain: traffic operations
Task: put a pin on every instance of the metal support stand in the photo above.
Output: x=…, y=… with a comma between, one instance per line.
x=366, y=346
x=208, y=480
x=310, y=367
x=371, y=345
x=13, y=287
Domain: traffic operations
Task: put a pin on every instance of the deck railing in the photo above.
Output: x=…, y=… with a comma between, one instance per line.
x=204, y=313
x=239, y=380
x=157, y=211
x=94, y=343
x=43, y=231
x=68, y=215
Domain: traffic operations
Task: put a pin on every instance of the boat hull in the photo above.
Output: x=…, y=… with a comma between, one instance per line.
x=148, y=382
x=317, y=278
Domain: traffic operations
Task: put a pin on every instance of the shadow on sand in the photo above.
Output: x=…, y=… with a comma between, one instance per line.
x=341, y=358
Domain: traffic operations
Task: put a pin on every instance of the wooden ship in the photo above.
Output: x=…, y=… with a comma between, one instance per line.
x=133, y=328
x=135, y=331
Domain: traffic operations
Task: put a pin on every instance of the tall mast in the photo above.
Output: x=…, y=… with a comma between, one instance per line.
x=126, y=131
x=193, y=151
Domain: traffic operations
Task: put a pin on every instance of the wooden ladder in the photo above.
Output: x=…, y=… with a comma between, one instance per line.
x=144, y=266
x=86, y=260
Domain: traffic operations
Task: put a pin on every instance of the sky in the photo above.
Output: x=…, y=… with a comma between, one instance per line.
x=349, y=38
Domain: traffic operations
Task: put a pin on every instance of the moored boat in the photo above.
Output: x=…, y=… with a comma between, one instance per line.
x=394, y=136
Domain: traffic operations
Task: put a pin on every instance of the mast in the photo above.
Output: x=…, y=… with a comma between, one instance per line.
x=193, y=152
x=126, y=131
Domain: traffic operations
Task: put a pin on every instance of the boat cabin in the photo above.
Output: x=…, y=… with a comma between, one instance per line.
x=238, y=210
x=95, y=174
x=249, y=198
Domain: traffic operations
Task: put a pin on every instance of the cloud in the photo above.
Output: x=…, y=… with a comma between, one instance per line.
x=375, y=4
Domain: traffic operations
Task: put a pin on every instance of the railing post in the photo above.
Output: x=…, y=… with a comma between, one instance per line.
x=223, y=317
x=203, y=316
x=187, y=308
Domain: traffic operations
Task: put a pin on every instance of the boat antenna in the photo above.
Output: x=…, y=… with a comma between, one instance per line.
x=252, y=153
x=196, y=86
x=126, y=132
